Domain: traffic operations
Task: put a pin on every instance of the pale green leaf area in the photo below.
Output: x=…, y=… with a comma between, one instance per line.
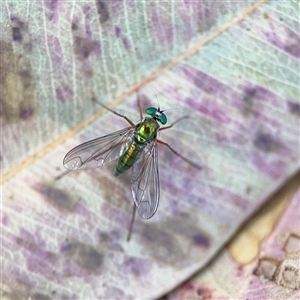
x=231, y=66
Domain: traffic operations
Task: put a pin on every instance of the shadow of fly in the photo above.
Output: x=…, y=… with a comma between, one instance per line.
x=134, y=147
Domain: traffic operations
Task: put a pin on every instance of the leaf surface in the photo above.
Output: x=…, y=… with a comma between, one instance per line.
x=261, y=262
x=233, y=67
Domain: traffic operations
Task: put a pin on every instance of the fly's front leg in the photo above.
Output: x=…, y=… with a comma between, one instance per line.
x=140, y=108
x=62, y=175
x=196, y=166
x=114, y=112
x=177, y=121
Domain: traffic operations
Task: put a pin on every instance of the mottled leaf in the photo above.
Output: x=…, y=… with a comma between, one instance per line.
x=232, y=66
x=262, y=261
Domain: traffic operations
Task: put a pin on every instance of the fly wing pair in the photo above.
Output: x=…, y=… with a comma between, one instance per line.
x=101, y=151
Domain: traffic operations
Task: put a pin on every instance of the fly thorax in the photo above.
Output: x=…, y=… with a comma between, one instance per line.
x=147, y=130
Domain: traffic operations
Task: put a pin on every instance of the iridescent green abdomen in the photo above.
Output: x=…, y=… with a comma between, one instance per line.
x=145, y=132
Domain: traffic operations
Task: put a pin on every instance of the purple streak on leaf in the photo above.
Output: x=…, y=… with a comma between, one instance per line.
x=112, y=240
x=87, y=257
x=40, y=296
x=87, y=21
x=52, y=4
x=16, y=34
x=117, y=31
x=83, y=47
x=210, y=109
x=261, y=94
x=289, y=42
x=117, y=7
x=38, y=260
x=55, y=50
x=209, y=201
x=19, y=28
x=202, y=13
x=203, y=81
x=115, y=215
x=53, y=10
x=64, y=93
x=266, y=142
x=294, y=108
x=126, y=43
x=119, y=35
x=60, y=199
x=4, y=219
x=26, y=113
x=102, y=11
x=273, y=167
x=162, y=28
x=139, y=267
x=247, y=102
x=161, y=245
x=201, y=240
x=86, y=9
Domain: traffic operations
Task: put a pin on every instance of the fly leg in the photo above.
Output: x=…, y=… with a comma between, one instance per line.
x=62, y=175
x=140, y=108
x=174, y=151
x=131, y=222
x=177, y=121
x=196, y=166
x=114, y=112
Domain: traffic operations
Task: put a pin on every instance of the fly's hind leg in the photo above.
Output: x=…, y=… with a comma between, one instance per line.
x=114, y=112
x=131, y=223
x=193, y=164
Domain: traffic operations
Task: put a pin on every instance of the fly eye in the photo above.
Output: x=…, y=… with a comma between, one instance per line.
x=151, y=111
x=163, y=119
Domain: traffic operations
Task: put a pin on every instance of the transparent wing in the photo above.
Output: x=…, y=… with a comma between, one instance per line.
x=99, y=152
x=145, y=182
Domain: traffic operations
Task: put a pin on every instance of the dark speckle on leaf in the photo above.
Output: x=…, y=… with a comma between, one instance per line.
x=39, y=296
x=118, y=31
x=74, y=26
x=52, y=4
x=26, y=113
x=18, y=28
x=102, y=11
x=83, y=47
x=56, y=197
x=85, y=256
x=265, y=142
x=16, y=34
x=104, y=237
x=201, y=240
x=163, y=246
x=294, y=108
x=90, y=259
x=248, y=101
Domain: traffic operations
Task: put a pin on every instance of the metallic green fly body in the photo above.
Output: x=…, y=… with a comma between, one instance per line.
x=135, y=147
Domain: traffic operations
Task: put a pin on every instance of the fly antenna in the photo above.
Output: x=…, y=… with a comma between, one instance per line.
x=158, y=106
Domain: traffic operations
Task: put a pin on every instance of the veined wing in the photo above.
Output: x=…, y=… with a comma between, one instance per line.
x=99, y=152
x=145, y=182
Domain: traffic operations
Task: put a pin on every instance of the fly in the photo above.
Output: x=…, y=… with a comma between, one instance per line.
x=135, y=147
